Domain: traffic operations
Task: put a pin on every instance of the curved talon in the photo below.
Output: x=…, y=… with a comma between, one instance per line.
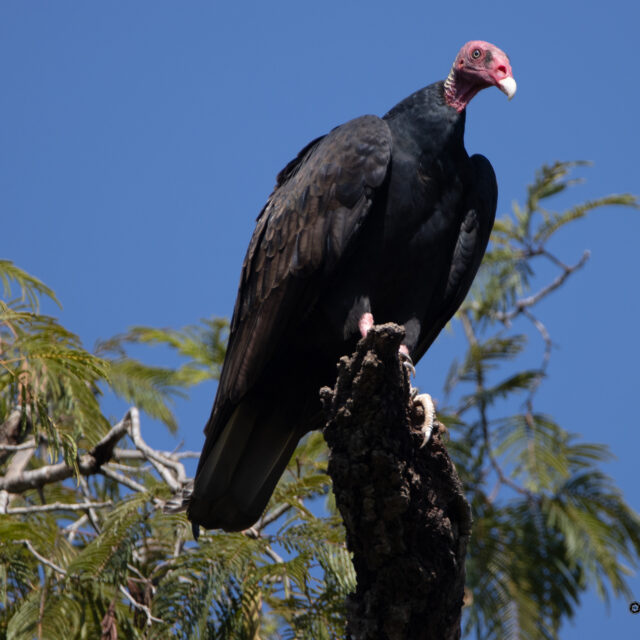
x=407, y=362
x=413, y=392
x=429, y=416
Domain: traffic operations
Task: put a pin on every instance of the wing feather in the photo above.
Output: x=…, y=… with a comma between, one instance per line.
x=471, y=245
x=309, y=223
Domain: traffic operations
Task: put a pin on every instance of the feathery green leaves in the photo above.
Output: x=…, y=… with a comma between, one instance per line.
x=548, y=523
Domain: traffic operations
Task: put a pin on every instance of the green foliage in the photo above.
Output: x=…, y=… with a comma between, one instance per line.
x=45, y=372
x=152, y=388
x=547, y=522
x=31, y=289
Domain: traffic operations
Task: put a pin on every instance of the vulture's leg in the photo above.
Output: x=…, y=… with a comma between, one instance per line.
x=365, y=323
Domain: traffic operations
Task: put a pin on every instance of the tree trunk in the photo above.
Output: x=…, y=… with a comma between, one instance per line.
x=403, y=506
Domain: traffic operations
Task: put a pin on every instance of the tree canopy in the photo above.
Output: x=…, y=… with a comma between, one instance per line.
x=92, y=540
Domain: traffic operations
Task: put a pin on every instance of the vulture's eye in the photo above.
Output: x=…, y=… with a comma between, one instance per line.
x=476, y=54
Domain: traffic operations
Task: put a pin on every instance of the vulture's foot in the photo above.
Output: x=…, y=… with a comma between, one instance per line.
x=406, y=360
x=429, y=416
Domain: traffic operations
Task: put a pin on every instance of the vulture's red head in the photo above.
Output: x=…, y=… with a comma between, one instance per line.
x=477, y=66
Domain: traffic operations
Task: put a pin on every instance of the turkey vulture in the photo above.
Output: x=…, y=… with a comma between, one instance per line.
x=384, y=218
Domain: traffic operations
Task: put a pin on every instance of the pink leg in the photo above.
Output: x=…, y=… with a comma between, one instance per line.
x=365, y=323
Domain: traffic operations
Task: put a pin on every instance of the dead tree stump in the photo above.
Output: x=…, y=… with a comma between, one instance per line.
x=407, y=519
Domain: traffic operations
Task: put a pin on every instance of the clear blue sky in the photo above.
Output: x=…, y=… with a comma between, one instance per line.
x=139, y=140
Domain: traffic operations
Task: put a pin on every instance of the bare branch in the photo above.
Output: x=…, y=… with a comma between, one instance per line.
x=135, y=454
x=182, y=455
x=59, y=506
x=127, y=468
x=546, y=356
x=104, y=449
x=71, y=530
x=13, y=430
x=88, y=464
x=42, y=559
x=107, y=471
x=272, y=516
x=139, y=606
x=524, y=303
x=484, y=422
x=468, y=328
x=286, y=581
x=504, y=479
x=178, y=502
x=15, y=470
x=159, y=462
x=29, y=444
x=141, y=577
x=93, y=516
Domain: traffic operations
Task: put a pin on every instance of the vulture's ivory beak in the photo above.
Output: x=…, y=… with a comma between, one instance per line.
x=508, y=86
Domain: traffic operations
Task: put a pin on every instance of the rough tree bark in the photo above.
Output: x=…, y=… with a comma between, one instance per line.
x=407, y=519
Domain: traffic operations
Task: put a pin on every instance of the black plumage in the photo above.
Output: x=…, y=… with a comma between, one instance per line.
x=382, y=215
